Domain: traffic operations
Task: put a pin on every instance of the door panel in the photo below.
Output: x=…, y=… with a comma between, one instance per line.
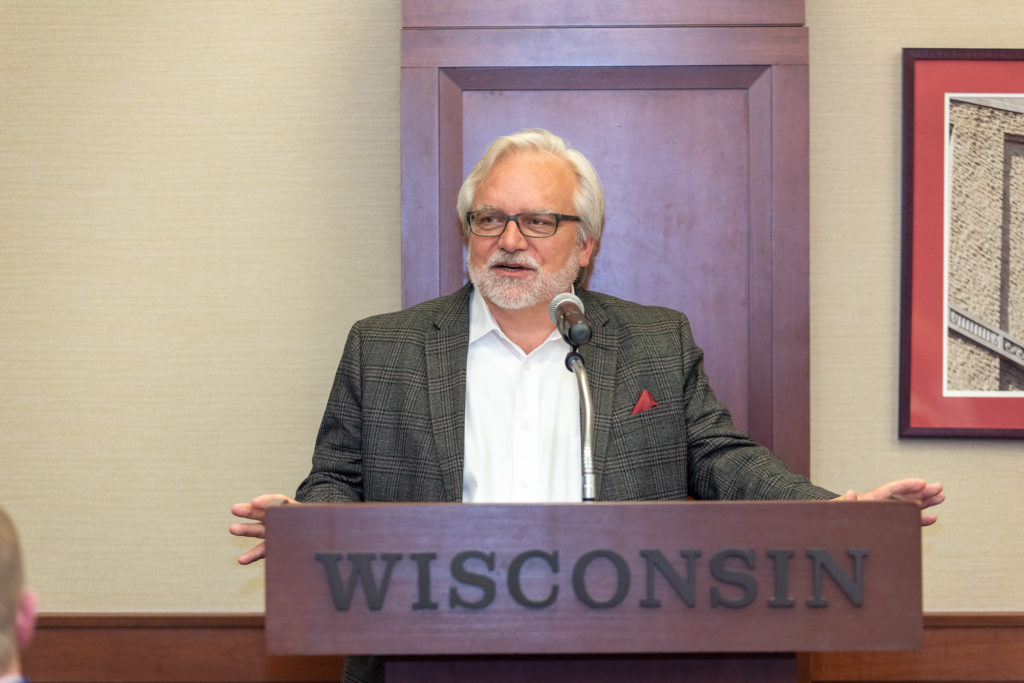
x=667, y=241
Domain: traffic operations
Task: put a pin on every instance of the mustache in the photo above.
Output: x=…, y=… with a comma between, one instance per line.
x=513, y=258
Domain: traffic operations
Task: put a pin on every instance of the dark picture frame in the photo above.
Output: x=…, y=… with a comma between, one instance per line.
x=937, y=330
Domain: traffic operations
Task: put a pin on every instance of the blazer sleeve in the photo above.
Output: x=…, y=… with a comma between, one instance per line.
x=723, y=462
x=336, y=474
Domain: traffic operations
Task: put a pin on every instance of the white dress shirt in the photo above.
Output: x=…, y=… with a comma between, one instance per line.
x=522, y=418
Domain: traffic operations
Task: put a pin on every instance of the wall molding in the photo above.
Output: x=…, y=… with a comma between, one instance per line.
x=218, y=648
x=957, y=646
x=164, y=648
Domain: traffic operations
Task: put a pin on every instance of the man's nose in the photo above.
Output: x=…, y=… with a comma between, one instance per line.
x=512, y=239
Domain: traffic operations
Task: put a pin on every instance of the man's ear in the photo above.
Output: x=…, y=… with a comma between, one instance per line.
x=25, y=619
x=587, y=252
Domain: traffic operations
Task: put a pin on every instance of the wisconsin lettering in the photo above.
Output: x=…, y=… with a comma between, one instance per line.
x=601, y=579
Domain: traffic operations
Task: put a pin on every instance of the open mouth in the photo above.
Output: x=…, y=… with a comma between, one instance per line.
x=512, y=268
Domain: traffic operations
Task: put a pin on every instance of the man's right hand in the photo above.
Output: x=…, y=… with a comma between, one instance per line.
x=256, y=511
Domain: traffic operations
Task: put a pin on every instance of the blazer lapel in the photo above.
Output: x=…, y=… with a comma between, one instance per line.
x=600, y=356
x=446, y=348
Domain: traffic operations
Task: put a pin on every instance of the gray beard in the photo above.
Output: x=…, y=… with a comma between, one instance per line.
x=514, y=294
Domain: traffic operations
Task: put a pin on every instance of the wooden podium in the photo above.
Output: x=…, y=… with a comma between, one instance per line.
x=593, y=592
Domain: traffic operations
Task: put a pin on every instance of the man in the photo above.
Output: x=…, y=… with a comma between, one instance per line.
x=466, y=397
x=17, y=604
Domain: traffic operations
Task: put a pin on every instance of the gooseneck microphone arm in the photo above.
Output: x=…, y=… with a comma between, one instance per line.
x=574, y=362
x=567, y=312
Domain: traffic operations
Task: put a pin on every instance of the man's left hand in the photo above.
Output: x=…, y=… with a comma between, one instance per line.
x=915, y=490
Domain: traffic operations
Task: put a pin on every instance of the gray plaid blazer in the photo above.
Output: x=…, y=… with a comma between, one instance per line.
x=394, y=425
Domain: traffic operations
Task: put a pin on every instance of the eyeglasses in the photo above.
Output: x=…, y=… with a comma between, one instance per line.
x=530, y=224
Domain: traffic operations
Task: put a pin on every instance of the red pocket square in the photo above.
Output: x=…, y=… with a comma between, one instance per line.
x=645, y=402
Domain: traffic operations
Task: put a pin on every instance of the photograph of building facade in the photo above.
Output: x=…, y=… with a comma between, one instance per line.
x=985, y=244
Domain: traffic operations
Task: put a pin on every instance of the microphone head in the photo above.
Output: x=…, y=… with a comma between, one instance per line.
x=561, y=299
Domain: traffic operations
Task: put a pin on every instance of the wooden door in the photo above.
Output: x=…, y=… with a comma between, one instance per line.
x=699, y=133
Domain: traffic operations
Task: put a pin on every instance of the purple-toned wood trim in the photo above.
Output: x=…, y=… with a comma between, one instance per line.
x=450, y=169
x=603, y=47
x=604, y=78
x=761, y=265
x=790, y=276
x=421, y=249
x=473, y=13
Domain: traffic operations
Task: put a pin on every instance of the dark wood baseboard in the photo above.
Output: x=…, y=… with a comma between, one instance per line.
x=217, y=648
x=957, y=647
x=156, y=648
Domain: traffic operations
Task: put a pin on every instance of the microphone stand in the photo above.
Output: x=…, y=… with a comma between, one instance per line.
x=574, y=362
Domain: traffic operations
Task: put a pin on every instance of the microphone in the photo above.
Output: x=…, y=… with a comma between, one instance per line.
x=567, y=313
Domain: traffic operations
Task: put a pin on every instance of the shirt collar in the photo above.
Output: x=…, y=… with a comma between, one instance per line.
x=482, y=322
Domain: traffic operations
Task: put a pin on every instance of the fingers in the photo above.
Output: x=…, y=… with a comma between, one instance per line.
x=912, y=490
x=255, y=553
x=926, y=495
x=254, y=530
x=271, y=499
x=901, y=489
x=243, y=510
x=883, y=492
x=933, y=500
x=256, y=509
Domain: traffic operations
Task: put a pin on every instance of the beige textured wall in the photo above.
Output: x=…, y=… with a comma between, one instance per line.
x=971, y=557
x=197, y=201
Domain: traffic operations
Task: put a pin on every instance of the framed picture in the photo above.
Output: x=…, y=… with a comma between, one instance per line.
x=962, y=312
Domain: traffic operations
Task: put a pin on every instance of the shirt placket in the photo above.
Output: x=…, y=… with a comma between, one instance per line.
x=527, y=471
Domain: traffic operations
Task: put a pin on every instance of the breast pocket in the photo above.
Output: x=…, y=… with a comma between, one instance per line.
x=646, y=457
x=655, y=425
